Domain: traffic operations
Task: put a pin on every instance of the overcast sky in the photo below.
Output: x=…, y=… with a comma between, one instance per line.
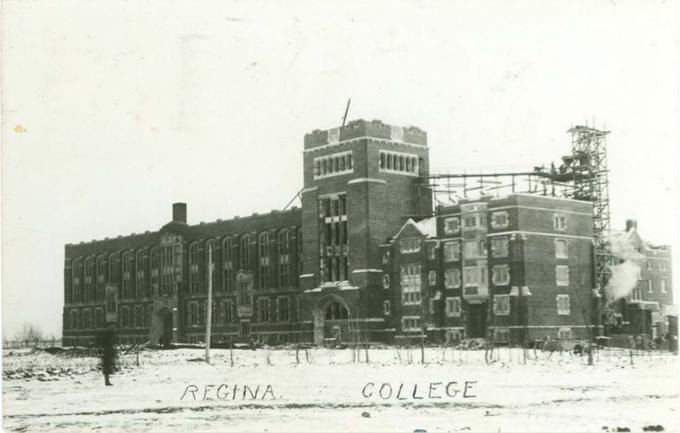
x=114, y=110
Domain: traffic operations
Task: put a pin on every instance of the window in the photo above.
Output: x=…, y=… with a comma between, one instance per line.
x=499, y=220
x=561, y=249
x=410, y=323
x=410, y=285
x=244, y=328
x=140, y=277
x=386, y=281
x=333, y=165
x=227, y=265
x=501, y=335
x=501, y=275
x=333, y=239
x=386, y=308
x=88, y=277
x=400, y=163
x=193, y=267
x=385, y=257
x=559, y=222
x=76, y=271
x=127, y=274
x=470, y=222
x=265, y=248
x=432, y=252
x=101, y=276
x=564, y=334
x=562, y=275
x=210, y=262
x=192, y=314
x=649, y=265
x=472, y=276
x=563, y=307
x=433, y=305
x=154, y=259
x=500, y=246
x=451, y=251
x=452, y=307
x=284, y=258
x=283, y=309
x=662, y=284
x=662, y=265
x=245, y=252
x=451, y=225
x=452, y=278
x=113, y=268
x=228, y=311
x=501, y=305
x=432, y=278
x=411, y=245
x=86, y=318
x=263, y=309
x=650, y=286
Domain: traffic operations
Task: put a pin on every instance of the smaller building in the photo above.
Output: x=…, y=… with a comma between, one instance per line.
x=647, y=308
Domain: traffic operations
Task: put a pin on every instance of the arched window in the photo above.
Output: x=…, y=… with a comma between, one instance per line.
x=265, y=247
x=284, y=257
x=193, y=267
x=140, y=275
x=127, y=260
x=113, y=269
x=227, y=265
x=245, y=252
x=76, y=273
x=88, y=277
x=210, y=246
x=101, y=276
x=153, y=265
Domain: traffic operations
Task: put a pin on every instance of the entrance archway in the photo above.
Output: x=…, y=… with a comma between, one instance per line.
x=164, y=320
x=331, y=322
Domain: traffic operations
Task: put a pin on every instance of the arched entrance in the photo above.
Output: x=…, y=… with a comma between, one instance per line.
x=164, y=327
x=331, y=322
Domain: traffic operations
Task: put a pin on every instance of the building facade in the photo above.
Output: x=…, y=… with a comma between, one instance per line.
x=365, y=259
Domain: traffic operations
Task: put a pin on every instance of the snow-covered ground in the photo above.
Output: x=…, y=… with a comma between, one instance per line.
x=174, y=391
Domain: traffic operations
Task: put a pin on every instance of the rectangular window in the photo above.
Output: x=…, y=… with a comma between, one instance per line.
x=662, y=284
x=501, y=335
x=662, y=265
x=650, y=286
x=499, y=220
x=563, y=306
x=501, y=305
x=283, y=309
x=453, y=307
x=560, y=222
x=452, y=278
x=386, y=281
x=470, y=222
x=499, y=246
x=333, y=165
x=501, y=275
x=432, y=252
x=561, y=249
x=433, y=305
x=562, y=275
x=410, y=323
x=411, y=245
x=471, y=276
x=411, y=283
x=399, y=163
x=451, y=225
x=432, y=278
x=386, y=308
x=263, y=309
x=451, y=251
x=564, y=334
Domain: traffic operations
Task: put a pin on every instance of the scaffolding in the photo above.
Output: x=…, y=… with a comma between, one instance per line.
x=582, y=175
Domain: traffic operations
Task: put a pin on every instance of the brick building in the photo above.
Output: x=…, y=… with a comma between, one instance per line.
x=364, y=258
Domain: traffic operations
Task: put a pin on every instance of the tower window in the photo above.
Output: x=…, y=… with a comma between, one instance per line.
x=333, y=165
x=397, y=162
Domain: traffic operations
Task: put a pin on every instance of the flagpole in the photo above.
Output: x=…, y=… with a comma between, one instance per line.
x=208, y=323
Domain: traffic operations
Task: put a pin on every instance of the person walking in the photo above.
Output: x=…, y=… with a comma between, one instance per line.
x=106, y=341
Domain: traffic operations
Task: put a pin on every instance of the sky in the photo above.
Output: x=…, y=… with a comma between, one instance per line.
x=113, y=110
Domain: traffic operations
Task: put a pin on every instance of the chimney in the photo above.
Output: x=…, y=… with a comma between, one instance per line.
x=179, y=212
x=631, y=224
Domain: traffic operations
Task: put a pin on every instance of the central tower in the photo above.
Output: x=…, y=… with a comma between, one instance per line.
x=361, y=182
